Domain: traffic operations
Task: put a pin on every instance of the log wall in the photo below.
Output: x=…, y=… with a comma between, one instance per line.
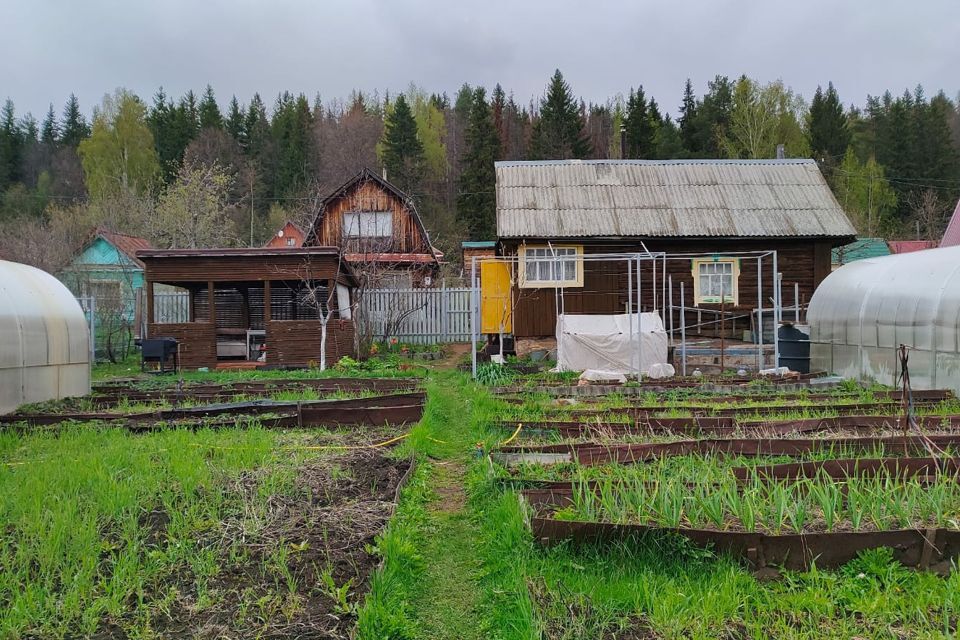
x=805, y=262
x=197, y=342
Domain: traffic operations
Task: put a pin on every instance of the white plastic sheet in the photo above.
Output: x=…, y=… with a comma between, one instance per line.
x=608, y=343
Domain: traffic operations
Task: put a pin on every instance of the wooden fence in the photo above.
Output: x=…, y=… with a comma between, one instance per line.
x=419, y=316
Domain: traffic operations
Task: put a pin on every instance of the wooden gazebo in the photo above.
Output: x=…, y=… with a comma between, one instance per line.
x=254, y=307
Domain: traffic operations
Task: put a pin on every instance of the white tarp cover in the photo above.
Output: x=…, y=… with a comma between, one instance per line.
x=606, y=342
x=863, y=311
x=44, y=341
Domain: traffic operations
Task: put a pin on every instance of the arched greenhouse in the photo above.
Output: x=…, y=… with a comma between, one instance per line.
x=862, y=312
x=44, y=339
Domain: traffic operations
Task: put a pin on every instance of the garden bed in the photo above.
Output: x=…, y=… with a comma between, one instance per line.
x=393, y=409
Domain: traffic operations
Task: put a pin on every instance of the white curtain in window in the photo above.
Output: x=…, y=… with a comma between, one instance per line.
x=343, y=302
x=368, y=224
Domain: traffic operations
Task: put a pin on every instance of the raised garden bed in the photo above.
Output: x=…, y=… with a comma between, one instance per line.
x=392, y=409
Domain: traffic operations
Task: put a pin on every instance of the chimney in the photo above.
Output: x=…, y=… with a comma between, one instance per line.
x=781, y=152
x=623, y=142
x=385, y=173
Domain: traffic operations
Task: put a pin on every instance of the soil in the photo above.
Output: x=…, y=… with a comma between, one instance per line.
x=326, y=525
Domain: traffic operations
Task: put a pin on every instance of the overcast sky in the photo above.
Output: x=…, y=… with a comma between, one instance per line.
x=51, y=48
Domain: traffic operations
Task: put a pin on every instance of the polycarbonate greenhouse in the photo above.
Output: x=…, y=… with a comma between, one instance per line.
x=44, y=339
x=862, y=312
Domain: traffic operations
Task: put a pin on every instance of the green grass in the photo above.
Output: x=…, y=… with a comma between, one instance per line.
x=75, y=503
x=458, y=560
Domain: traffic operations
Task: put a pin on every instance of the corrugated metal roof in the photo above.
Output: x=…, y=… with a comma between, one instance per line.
x=125, y=243
x=909, y=246
x=860, y=249
x=669, y=198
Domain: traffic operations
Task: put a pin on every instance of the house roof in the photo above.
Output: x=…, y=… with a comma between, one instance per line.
x=668, y=198
x=909, y=246
x=126, y=244
x=366, y=174
x=483, y=244
x=859, y=249
x=951, y=237
x=239, y=251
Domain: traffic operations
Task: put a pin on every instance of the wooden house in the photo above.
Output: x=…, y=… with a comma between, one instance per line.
x=551, y=214
x=290, y=235
x=107, y=268
x=247, y=302
x=379, y=231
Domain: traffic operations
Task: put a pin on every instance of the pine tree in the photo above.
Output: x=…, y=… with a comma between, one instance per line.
x=640, y=127
x=11, y=146
x=827, y=129
x=209, y=112
x=290, y=131
x=498, y=102
x=558, y=133
x=75, y=127
x=667, y=141
x=402, y=151
x=159, y=119
x=689, y=135
x=476, y=200
x=713, y=117
x=235, y=124
x=50, y=130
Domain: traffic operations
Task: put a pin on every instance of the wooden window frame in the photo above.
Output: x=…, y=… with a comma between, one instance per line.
x=577, y=281
x=733, y=298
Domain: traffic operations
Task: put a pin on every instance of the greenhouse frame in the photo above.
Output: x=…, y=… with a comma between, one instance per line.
x=861, y=314
x=44, y=339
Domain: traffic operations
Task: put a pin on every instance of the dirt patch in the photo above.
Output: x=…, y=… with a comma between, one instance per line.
x=448, y=489
x=294, y=563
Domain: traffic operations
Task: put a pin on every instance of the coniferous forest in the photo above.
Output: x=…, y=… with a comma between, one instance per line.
x=197, y=170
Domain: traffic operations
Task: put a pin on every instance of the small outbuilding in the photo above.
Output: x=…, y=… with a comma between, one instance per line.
x=254, y=307
x=44, y=339
x=863, y=312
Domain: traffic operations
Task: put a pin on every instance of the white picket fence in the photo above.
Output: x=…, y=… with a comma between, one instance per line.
x=417, y=316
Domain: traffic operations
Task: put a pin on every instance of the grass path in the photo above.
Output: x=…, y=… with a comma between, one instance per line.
x=430, y=587
x=447, y=602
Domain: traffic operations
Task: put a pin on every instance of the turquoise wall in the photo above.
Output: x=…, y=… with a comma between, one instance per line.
x=100, y=260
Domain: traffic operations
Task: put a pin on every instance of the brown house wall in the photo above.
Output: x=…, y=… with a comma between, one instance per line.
x=805, y=262
x=369, y=196
x=297, y=342
x=197, y=342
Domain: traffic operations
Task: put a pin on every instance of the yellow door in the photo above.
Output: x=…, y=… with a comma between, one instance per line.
x=496, y=311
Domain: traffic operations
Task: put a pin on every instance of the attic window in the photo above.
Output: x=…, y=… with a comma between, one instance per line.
x=368, y=224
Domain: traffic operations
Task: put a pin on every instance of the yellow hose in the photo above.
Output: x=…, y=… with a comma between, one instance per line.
x=511, y=438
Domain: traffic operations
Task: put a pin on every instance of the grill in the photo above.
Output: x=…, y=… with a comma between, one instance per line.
x=162, y=351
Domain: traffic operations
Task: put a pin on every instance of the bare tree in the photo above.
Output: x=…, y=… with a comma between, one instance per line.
x=319, y=295
x=929, y=214
x=348, y=140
